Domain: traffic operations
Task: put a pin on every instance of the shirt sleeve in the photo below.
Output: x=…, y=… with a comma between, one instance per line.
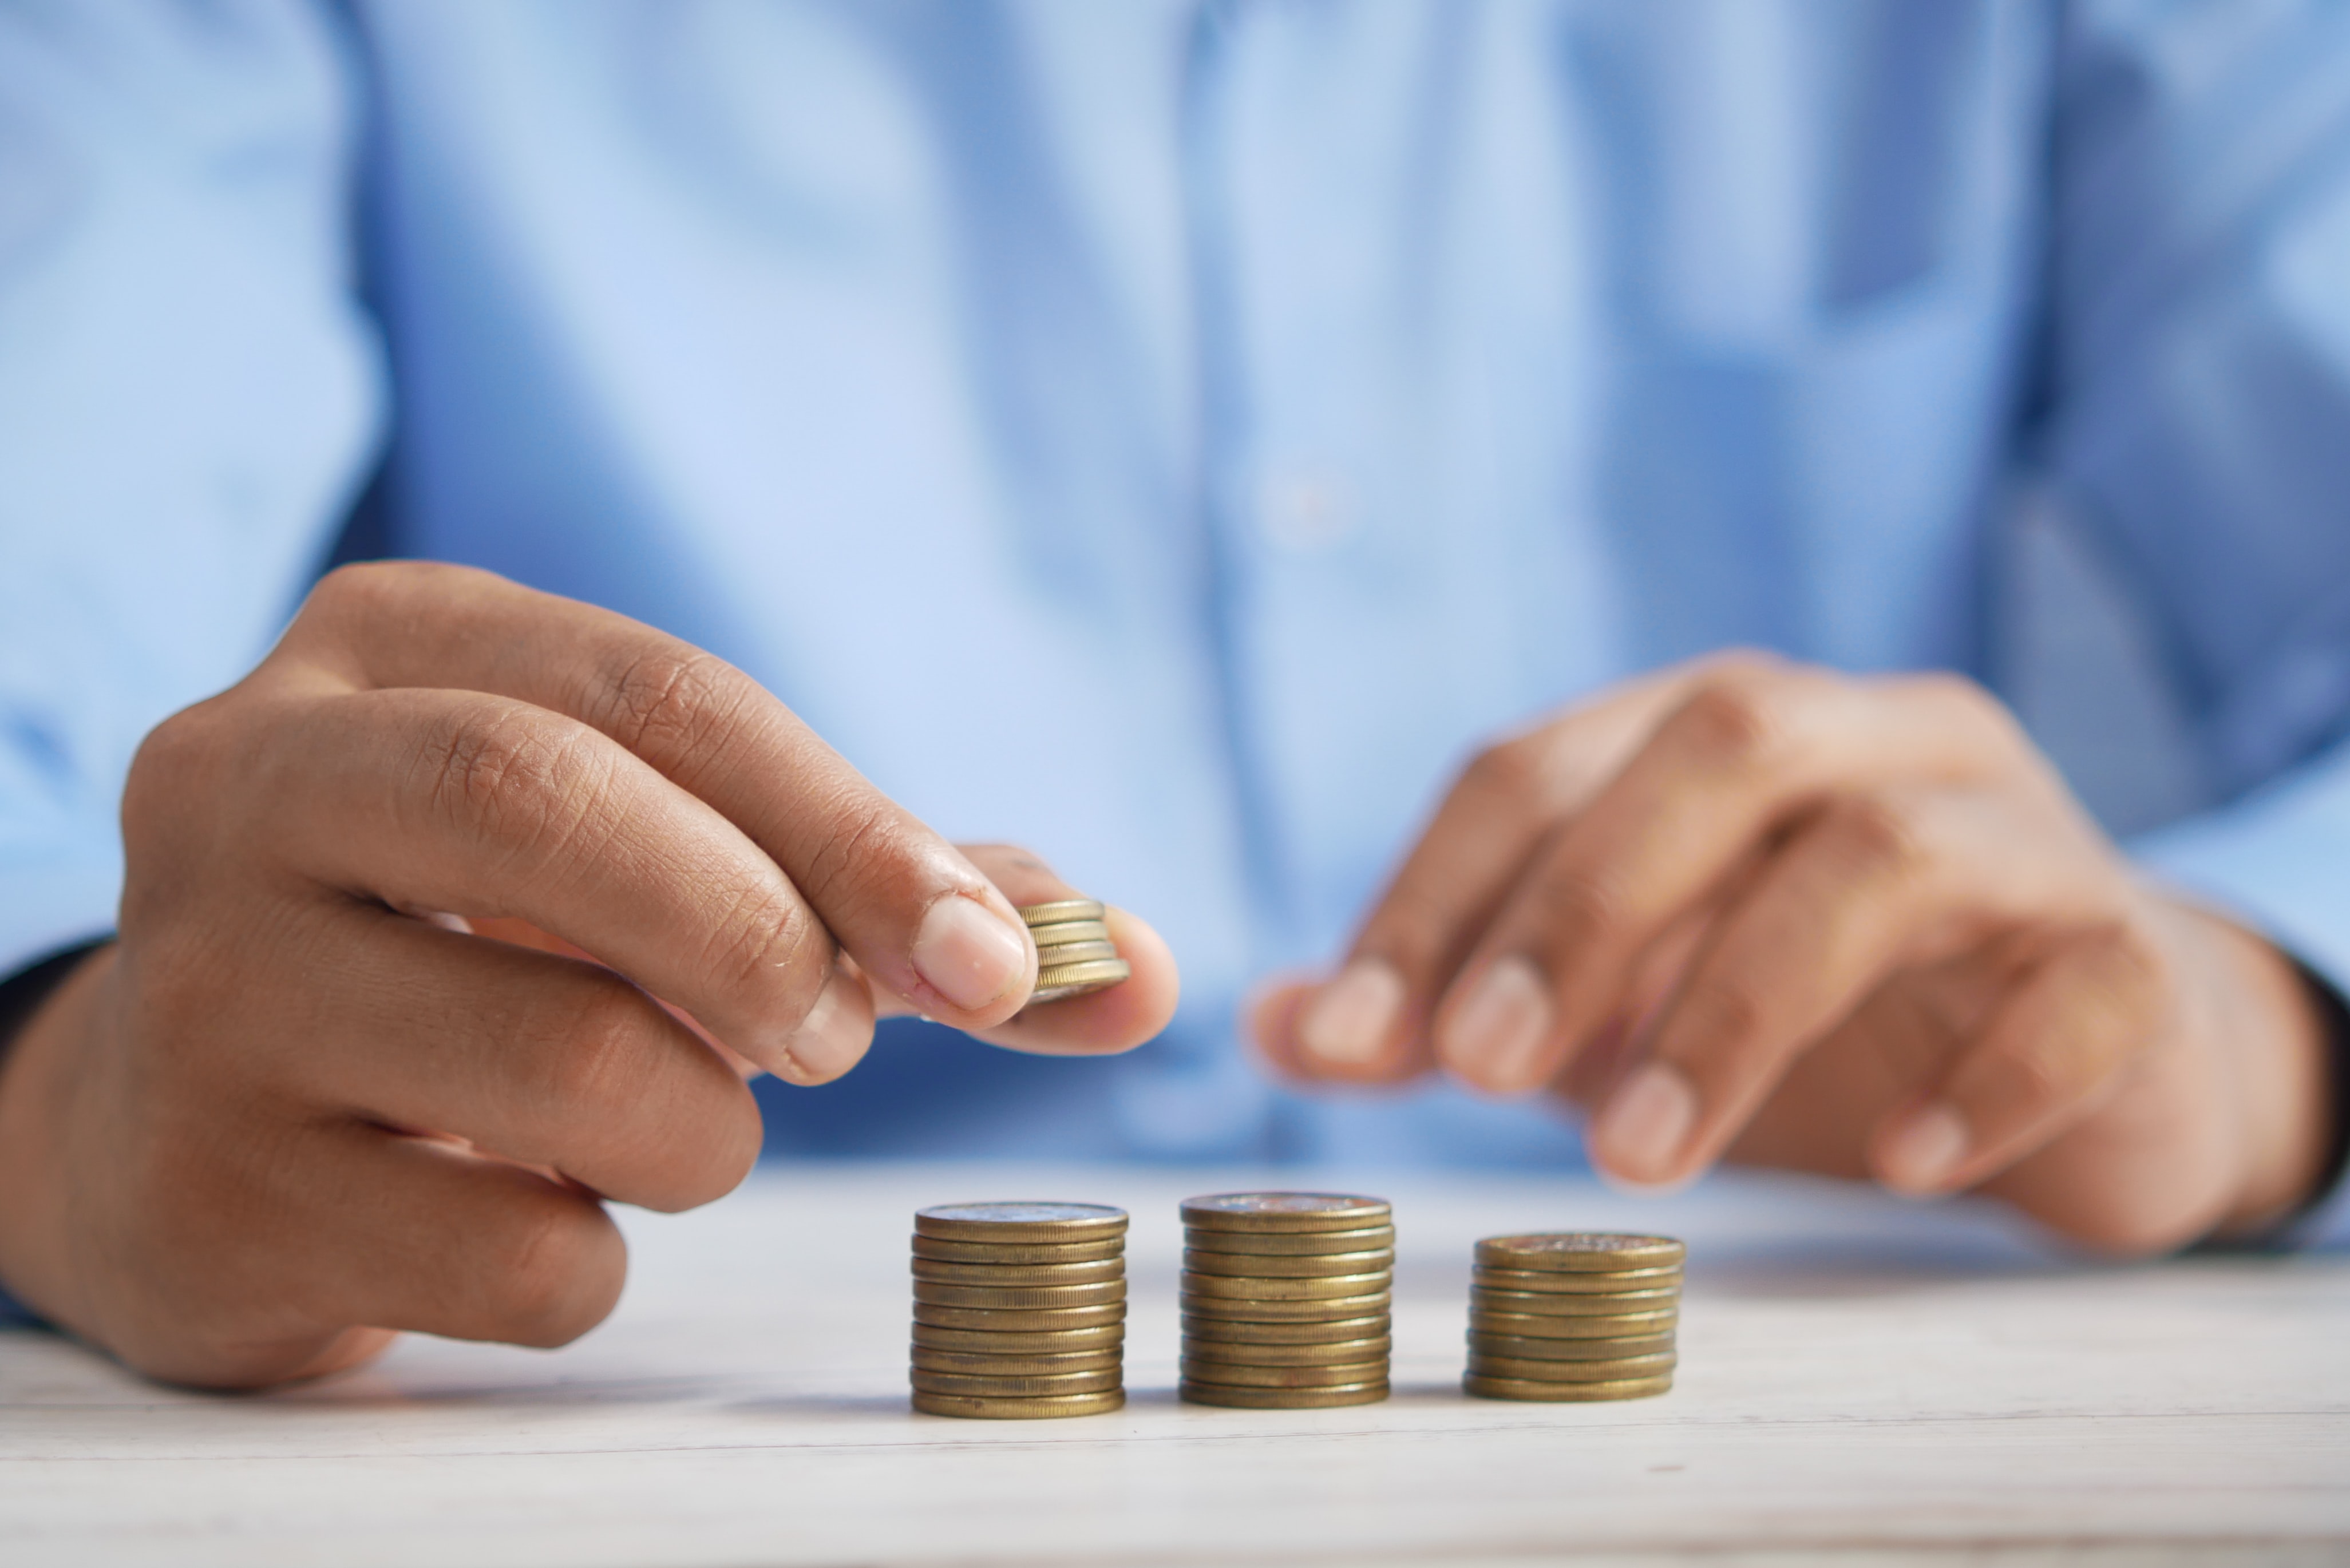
x=188, y=395
x=2197, y=417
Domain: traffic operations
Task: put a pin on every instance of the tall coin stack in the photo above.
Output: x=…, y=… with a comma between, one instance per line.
x=1572, y=1316
x=1073, y=952
x=1286, y=1299
x=1019, y=1309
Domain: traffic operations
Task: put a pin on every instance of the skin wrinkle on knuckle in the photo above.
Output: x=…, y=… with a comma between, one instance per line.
x=1878, y=840
x=1577, y=908
x=539, y=1289
x=672, y=707
x=1731, y=725
x=501, y=780
x=611, y=1080
x=766, y=944
x=1723, y=1020
x=859, y=829
x=596, y=1074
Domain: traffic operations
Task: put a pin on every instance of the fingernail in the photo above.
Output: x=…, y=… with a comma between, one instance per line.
x=969, y=956
x=1350, y=1019
x=1921, y=1155
x=1643, y=1126
x=1496, y=1038
x=833, y=1036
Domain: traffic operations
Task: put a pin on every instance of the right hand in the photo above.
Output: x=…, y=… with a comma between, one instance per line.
x=298, y=1106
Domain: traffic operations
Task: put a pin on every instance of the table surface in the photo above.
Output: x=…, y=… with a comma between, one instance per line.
x=1860, y=1380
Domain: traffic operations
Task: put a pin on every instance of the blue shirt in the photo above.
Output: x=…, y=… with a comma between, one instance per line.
x=1172, y=435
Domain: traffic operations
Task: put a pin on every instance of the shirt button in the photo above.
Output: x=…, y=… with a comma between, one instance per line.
x=1304, y=514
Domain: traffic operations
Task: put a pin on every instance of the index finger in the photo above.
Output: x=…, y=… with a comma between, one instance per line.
x=1100, y=1023
x=1369, y=1022
x=915, y=915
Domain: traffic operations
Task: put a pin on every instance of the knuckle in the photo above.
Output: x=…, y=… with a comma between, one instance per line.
x=862, y=831
x=1510, y=773
x=671, y=705
x=2046, y=1070
x=2133, y=977
x=363, y=591
x=1577, y=908
x=561, y=1275
x=513, y=781
x=353, y=589
x=1726, y=1012
x=174, y=763
x=1971, y=705
x=769, y=942
x=600, y=1062
x=1745, y=664
x=725, y=1150
x=1732, y=722
x=1415, y=924
x=1878, y=836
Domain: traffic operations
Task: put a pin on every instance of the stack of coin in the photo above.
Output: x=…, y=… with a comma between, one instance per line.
x=1019, y=1309
x=1286, y=1298
x=1572, y=1316
x=1073, y=952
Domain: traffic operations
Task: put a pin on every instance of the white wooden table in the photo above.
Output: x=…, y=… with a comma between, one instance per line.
x=1859, y=1381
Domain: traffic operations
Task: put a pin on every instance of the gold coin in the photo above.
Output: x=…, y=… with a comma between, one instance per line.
x=1056, y=981
x=1545, y=1303
x=1580, y=1249
x=1067, y=932
x=1000, y=1253
x=1026, y=1297
x=1248, y=1266
x=1235, y=1374
x=1330, y=1311
x=1528, y=1326
x=1020, y=1321
x=1527, y=1349
x=1289, y=1212
x=1224, y=1331
x=1060, y=909
x=1621, y=1367
x=1276, y=1245
x=1281, y=1399
x=1520, y=1388
x=1337, y=1353
x=1103, y=1339
x=1068, y=953
x=1012, y=1387
x=983, y=1363
x=986, y=1408
x=1586, y=1283
x=1021, y=1222
x=1096, y=1272
x=1222, y=1287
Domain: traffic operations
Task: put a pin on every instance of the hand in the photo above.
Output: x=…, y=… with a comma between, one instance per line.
x=1849, y=925
x=298, y=1107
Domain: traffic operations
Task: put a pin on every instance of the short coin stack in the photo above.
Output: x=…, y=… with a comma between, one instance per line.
x=1573, y=1316
x=1019, y=1309
x=1073, y=952
x=1286, y=1298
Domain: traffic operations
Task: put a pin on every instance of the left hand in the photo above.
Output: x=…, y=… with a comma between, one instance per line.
x=1777, y=914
